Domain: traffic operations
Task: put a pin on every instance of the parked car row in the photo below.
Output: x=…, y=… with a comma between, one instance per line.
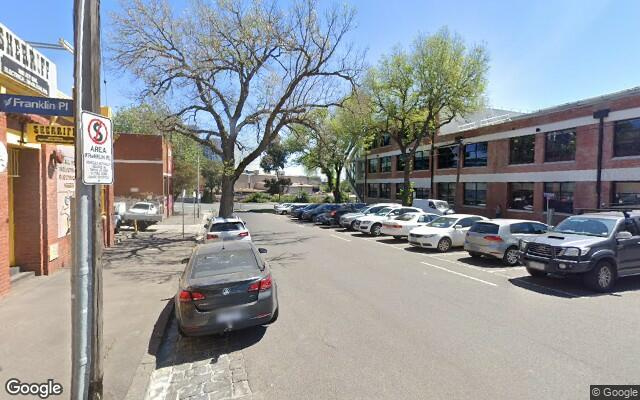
x=600, y=247
x=226, y=284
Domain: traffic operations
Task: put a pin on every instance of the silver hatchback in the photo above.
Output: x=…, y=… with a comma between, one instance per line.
x=498, y=238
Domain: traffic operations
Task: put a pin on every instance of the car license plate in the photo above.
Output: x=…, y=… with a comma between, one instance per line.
x=229, y=316
x=536, y=265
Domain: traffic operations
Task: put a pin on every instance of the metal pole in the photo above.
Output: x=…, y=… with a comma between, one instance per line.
x=183, y=194
x=601, y=115
x=86, y=285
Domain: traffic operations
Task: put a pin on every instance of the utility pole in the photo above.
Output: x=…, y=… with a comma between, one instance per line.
x=86, y=279
x=198, y=186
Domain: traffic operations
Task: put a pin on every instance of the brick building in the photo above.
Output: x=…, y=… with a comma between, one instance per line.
x=37, y=179
x=143, y=169
x=512, y=160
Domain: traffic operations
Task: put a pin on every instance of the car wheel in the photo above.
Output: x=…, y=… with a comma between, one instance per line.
x=353, y=225
x=602, y=277
x=444, y=245
x=473, y=254
x=375, y=229
x=536, y=272
x=511, y=257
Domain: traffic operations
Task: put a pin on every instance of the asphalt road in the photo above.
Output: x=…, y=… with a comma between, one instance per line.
x=365, y=318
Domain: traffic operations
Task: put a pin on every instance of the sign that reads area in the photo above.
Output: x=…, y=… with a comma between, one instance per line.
x=97, y=149
x=36, y=105
x=37, y=133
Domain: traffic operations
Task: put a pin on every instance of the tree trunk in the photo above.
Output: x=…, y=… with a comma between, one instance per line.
x=337, y=195
x=226, y=199
x=406, y=195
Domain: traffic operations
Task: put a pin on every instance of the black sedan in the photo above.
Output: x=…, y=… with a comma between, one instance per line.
x=225, y=286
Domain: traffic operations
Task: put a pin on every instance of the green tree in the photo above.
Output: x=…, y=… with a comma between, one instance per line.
x=413, y=94
x=327, y=141
x=277, y=185
x=211, y=172
x=248, y=68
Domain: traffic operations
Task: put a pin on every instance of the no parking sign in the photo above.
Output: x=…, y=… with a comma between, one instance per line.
x=97, y=149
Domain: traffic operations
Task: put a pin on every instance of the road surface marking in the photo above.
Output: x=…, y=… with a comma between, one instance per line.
x=341, y=238
x=460, y=274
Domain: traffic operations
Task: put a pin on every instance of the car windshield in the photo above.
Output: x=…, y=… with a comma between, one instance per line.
x=141, y=206
x=407, y=217
x=384, y=211
x=601, y=227
x=442, y=222
x=370, y=210
x=441, y=205
x=224, y=262
x=226, y=227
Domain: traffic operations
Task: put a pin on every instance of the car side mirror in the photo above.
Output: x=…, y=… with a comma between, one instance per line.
x=184, y=260
x=262, y=250
x=206, y=226
x=623, y=235
x=457, y=227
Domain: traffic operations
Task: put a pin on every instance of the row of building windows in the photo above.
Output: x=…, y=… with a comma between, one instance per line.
x=558, y=195
x=558, y=146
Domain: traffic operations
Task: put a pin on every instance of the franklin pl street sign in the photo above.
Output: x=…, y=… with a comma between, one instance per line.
x=12, y=103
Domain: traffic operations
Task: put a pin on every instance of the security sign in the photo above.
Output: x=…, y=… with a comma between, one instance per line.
x=97, y=149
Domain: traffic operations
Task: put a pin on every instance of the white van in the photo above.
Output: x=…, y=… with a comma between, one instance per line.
x=433, y=206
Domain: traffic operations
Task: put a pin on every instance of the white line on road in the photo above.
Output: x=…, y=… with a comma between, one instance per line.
x=460, y=274
x=338, y=237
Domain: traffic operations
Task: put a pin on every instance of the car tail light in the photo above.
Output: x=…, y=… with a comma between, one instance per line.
x=187, y=296
x=211, y=236
x=333, y=213
x=493, y=238
x=243, y=234
x=261, y=285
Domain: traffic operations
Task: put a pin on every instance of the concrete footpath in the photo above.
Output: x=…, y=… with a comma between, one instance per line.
x=140, y=277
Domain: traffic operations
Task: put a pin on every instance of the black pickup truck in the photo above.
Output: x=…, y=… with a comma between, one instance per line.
x=601, y=247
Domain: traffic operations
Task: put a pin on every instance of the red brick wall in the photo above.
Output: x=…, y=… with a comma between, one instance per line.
x=5, y=282
x=28, y=212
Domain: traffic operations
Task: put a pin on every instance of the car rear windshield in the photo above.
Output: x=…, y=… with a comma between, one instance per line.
x=226, y=227
x=406, y=217
x=443, y=222
x=484, y=227
x=224, y=262
x=586, y=226
x=141, y=206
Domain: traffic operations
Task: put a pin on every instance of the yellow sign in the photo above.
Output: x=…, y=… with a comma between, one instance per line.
x=56, y=134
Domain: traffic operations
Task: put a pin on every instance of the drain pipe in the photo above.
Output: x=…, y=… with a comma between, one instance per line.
x=601, y=115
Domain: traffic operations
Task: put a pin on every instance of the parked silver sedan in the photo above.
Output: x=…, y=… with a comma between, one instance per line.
x=498, y=238
x=225, y=286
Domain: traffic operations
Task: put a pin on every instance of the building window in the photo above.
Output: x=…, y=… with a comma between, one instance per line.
x=400, y=162
x=372, y=189
x=626, y=193
x=421, y=160
x=447, y=192
x=385, y=139
x=522, y=149
x=626, y=138
x=385, y=190
x=475, y=154
x=373, y=165
x=560, y=146
x=521, y=196
x=561, y=196
x=385, y=164
x=421, y=193
x=475, y=194
x=448, y=157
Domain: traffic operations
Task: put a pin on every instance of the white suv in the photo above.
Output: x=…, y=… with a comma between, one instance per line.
x=223, y=229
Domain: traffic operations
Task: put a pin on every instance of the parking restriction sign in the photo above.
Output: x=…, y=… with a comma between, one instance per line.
x=97, y=149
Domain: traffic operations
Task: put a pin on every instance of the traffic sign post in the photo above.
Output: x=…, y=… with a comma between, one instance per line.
x=97, y=149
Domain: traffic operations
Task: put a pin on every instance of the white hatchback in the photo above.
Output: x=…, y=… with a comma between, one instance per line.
x=444, y=232
x=399, y=227
x=371, y=224
x=223, y=229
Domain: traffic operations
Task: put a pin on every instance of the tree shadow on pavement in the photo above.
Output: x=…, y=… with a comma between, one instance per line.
x=269, y=238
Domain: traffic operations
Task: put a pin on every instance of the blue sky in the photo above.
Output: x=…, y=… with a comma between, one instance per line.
x=543, y=53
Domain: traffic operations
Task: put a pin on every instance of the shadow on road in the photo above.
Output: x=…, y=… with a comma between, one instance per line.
x=572, y=287
x=392, y=241
x=269, y=238
x=257, y=211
